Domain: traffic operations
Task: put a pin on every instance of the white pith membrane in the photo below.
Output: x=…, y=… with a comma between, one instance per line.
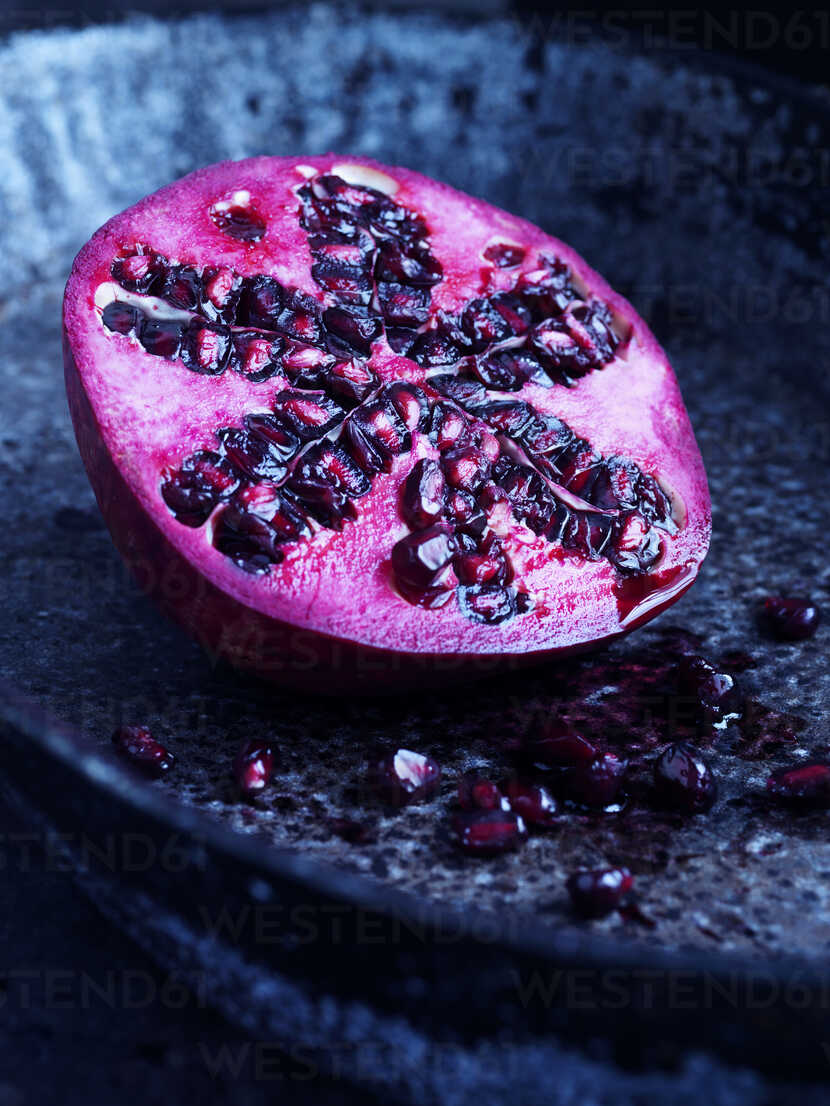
x=158, y=414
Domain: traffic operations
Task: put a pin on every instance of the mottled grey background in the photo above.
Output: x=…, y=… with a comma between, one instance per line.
x=700, y=193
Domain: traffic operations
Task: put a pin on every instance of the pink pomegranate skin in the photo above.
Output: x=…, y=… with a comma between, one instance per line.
x=328, y=617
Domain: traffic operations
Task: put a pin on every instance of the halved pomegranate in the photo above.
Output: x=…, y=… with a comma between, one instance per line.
x=356, y=430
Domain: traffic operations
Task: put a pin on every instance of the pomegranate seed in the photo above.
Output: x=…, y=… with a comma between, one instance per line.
x=806, y=785
x=533, y=802
x=477, y=793
x=423, y=495
x=716, y=694
x=505, y=255
x=488, y=832
x=137, y=745
x=239, y=221
x=791, y=619
x=684, y=780
x=557, y=746
x=596, y=893
x=421, y=565
x=253, y=767
x=596, y=782
x=403, y=777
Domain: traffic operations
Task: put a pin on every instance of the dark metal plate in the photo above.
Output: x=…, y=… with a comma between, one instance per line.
x=699, y=191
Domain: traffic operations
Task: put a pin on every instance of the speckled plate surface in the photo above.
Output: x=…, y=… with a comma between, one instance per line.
x=700, y=193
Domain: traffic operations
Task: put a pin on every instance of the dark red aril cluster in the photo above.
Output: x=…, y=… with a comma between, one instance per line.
x=400, y=777
x=683, y=780
x=595, y=893
x=805, y=785
x=790, y=619
x=253, y=766
x=137, y=745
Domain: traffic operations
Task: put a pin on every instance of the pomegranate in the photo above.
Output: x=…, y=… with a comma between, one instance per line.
x=357, y=431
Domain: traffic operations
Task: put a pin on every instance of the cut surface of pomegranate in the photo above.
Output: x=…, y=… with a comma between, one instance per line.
x=341, y=418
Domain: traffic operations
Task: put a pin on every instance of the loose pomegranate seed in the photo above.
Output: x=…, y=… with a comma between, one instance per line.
x=805, y=785
x=487, y=832
x=477, y=793
x=596, y=893
x=137, y=745
x=596, y=782
x=253, y=766
x=557, y=745
x=684, y=780
x=716, y=694
x=791, y=619
x=402, y=777
x=532, y=801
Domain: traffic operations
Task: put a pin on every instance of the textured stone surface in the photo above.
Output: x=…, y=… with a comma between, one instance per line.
x=698, y=195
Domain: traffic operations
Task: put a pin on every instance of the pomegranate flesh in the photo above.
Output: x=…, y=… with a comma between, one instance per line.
x=344, y=420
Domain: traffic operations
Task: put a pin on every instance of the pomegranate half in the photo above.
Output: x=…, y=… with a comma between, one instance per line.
x=356, y=430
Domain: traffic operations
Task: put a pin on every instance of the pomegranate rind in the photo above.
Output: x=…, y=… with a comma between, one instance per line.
x=331, y=606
